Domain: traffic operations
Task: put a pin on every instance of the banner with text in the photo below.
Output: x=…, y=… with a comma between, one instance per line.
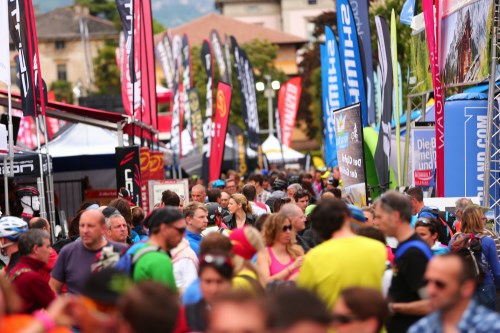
x=128, y=171
x=222, y=109
x=424, y=156
x=288, y=105
x=352, y=67
x=350, y=152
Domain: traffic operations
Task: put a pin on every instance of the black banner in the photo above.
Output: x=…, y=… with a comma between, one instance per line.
x=126, y=10
x=165, y=57
x=27, y=165
x=219, y=55
x=186, y=83
x=244, y=71
x=207, y=61
x=239, y=156
x=23, y=35
x=383, y=151
x=128, y=171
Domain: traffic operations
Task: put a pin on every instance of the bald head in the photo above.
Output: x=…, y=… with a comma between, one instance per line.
x=198, y=193
x=94, y=215
x=291, y=210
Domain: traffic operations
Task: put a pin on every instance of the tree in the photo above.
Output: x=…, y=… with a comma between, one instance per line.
x=106, y=72
x=63, y=91
x=105, y=9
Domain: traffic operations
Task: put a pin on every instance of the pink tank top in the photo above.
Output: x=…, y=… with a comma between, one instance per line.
x=277, y=266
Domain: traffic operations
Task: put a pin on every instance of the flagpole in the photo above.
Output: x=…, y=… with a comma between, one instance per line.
x=10, y=158
x=50, y=181
x=41, y=187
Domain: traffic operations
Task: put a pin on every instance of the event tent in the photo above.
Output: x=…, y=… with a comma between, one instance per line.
x=278, y=153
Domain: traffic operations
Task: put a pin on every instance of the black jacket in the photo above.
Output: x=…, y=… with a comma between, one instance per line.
x=230, y=221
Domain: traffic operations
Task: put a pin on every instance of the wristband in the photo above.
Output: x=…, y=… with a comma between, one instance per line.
x=47, y=322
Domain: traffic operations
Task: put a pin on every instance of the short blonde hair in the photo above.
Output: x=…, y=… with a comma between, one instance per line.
x=192, y=207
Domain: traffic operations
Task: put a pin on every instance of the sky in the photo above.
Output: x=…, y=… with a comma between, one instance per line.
x=170, y=13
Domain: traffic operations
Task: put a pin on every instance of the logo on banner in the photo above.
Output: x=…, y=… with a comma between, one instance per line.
x=221, y=103
x=342, y=138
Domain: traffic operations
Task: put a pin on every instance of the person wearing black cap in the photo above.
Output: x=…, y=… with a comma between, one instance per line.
x=167, y=227
x=280, y=185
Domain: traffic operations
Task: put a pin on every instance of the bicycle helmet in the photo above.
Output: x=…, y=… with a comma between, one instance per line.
x=27, y=191
x=12, y=227
x=214, y=213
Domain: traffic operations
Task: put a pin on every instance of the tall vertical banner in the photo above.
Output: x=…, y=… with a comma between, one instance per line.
x=244, y=72
x=125, y=78
x=187, y=83
x=196, y=118
x=23, y=33
x=165, y=56
x=175, y=132
x=428, y=8
x=383, y=150
x=288, y=105
x=228, y=59
x=207, y=61
x=4, y=44
x=333, y=93
x=360, y=12
x=395, y=91
x=350, y=152
x=219, y=55
x=352, y=67
x=149, y=110
x=128, y=171
x=222, y=109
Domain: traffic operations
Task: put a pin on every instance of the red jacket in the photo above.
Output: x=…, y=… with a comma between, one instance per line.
x=30, y=285
x=47, y=268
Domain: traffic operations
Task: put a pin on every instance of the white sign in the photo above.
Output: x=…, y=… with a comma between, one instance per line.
x=156, y=188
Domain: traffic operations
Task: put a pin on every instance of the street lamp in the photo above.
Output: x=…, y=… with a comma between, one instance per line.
x=268, y=88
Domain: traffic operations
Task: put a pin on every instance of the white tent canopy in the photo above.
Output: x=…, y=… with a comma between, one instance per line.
x=273, y=150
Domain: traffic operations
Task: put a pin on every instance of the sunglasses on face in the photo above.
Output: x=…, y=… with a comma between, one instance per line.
x=180, y=230
x=286, y=228
x=341, y=319
x=439, y=284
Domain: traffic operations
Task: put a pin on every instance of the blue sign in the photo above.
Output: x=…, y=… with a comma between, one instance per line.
x=465, y=131
x=352, y=67
x=328, y=131
x=407, y=12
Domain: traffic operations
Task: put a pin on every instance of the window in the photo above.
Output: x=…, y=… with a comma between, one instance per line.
x=60, y=45
x=62, y=74
x=312, y=2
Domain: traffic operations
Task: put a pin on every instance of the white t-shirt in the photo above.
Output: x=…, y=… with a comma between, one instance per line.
x=185, y=273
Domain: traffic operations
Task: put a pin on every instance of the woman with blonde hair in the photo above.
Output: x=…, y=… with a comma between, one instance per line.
x=283, y=258
x=487, y=264
x=240, y=212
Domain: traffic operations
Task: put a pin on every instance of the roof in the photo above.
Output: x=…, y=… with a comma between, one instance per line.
x=199, y=29
x=64, y=24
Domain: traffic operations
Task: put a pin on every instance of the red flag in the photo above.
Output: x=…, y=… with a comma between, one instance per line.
x=438, y=93
x=123, y=65
x=288, y=104
x=219, y=130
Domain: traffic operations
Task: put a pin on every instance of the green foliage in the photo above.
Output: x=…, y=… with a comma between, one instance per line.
x=384, y=9
x=107, y=74
x=262, y=55
x=63, y=91
x=105, y=9
x=157, y=27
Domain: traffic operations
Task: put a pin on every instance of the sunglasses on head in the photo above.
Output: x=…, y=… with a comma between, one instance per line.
x=217, y=260
x=340, y=319
x=286, y=228
x=438, y=283
x=423, y=220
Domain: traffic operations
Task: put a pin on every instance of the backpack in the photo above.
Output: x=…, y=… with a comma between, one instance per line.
x=413, y=244
x=446, y=220
x=132, y=255
x=470, y=245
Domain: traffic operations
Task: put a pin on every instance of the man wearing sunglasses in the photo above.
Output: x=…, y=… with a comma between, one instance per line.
x=451, y=282
x=166, y=228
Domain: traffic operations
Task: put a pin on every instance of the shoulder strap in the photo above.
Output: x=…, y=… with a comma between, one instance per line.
x=18, y=273
x=416, y=244
x=142, y=251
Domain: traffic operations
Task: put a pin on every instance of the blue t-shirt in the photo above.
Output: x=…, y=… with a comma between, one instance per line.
x=194, y=241
x=192, y=294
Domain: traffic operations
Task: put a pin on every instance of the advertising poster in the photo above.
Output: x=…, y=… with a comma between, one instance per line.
x=423, y=156
x=223, y=107
x=350, y=152
x=465, y=34
x=156, y=188
x=465, y=150
x=128, y=171
x=420, y=77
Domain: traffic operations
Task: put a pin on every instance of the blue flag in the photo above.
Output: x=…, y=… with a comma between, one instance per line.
x=352, y=67
x=407, y=12
x=333, y=92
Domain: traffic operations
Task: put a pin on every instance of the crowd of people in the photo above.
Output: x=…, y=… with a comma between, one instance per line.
x=270, y=253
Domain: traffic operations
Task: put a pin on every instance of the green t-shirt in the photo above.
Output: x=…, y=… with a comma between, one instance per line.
x=341, y=263
x=155, y=266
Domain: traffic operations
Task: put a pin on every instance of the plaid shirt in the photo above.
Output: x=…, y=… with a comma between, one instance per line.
x=476, y=319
